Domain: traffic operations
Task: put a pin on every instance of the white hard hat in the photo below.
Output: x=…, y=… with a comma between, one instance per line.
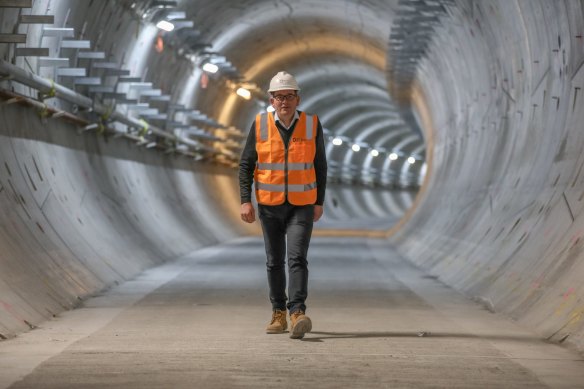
x=282, y=81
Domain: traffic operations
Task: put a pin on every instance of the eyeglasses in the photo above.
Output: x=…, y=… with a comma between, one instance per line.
x=282, y=98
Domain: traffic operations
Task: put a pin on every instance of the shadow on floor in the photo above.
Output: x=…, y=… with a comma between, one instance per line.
x=321, y=335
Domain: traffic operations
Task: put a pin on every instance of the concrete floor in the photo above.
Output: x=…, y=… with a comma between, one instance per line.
x=199, y=323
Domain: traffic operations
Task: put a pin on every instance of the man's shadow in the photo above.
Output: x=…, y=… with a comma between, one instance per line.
x=321, y=336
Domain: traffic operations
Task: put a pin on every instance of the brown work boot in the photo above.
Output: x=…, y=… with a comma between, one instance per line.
x=279, y=324
x=301, y=324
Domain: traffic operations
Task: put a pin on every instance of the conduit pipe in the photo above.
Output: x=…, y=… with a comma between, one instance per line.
x=50, y=88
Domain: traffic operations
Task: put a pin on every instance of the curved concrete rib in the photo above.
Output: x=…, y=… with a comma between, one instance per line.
x=499, y=95
x=500, y=217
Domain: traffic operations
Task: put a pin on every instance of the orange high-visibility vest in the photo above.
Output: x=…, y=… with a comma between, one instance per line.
x=281, y=173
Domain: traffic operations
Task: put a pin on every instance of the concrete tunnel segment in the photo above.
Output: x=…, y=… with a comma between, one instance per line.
x=497, y=94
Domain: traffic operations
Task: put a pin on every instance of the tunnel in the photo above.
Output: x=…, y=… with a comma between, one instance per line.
x=453, y=132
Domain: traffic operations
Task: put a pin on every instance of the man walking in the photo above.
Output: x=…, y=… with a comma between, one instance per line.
x=285, y=156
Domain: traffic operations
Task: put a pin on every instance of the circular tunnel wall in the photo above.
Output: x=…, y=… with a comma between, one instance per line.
x=84, y=209
x=500, y=217
x=498, y=95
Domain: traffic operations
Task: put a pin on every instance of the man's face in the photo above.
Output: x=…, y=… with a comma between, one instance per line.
x=285, y=102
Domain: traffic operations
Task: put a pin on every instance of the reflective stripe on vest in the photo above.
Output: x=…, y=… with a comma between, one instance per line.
x=264, y=128
x=281, y=188
x=309, y=127
x=277, y=178
x=271, y=166
x=282, y=166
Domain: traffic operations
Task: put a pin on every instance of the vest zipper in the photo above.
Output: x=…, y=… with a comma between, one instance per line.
x=286, y=172
x=286, y=146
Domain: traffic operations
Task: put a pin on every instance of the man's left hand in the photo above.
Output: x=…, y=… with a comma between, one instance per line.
x=318, y=211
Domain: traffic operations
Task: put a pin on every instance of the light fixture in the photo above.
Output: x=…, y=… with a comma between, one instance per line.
x=165, y=25
x=393, y=156
x=244, y=93
x=411, y=160
x=210, y=67
x=337, y=141
x=374, y=153
x=356, y=147
x=270, y=108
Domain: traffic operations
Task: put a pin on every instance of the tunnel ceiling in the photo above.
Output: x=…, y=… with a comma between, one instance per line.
x=498, y=85
x=338, y=52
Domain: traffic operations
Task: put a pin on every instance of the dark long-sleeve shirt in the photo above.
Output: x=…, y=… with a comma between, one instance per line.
x=249, y=157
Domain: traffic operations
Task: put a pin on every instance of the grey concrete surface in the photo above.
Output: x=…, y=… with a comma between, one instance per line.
x=501, y=216
x=198, y=323
x=497, y=91
x=498, y=94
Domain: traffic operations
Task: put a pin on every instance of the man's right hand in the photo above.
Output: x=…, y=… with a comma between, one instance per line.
x=247, y=213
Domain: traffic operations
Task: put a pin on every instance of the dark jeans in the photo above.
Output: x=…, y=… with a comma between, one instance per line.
x=287, y=229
